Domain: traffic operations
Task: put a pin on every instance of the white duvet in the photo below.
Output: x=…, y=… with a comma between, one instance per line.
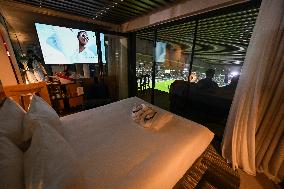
x=115, y=152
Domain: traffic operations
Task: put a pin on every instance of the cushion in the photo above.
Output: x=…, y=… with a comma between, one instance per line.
x=50, y=162
x=11, y=119
x=39, y=112
x=11, y=165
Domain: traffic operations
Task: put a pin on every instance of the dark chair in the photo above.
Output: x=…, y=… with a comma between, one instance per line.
x=177, y=96
x=189, y=101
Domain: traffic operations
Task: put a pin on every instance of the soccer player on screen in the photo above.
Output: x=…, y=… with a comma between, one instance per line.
x=83, y=54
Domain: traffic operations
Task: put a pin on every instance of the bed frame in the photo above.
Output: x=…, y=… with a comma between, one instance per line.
x=21, y=93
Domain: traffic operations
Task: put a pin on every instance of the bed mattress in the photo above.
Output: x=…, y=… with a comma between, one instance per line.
x=115, y=152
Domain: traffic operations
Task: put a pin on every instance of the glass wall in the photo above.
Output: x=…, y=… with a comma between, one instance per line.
x=173, y=54
x=221, y=45
x=201, y=89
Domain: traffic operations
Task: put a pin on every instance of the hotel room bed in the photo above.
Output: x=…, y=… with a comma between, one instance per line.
x=116, y=151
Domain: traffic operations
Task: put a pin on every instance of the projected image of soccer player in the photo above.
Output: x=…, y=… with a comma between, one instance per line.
x=83, y=54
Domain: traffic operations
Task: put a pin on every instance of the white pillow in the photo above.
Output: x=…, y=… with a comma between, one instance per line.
x=11, y=120
x=50, y=162
x=39, y=112
x=11, y=165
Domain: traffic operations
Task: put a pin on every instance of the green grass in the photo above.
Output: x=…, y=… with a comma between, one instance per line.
x=164, y=85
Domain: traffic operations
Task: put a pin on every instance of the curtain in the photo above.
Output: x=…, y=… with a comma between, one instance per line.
x=254, y=135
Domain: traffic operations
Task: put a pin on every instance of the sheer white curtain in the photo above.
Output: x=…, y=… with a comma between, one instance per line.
x=254, y=135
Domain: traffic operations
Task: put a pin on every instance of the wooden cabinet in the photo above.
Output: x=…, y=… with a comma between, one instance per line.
x=64, y=97
x=76, y=101
x=74, y=96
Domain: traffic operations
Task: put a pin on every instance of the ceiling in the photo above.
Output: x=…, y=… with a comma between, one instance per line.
x=112, y=11
x=220, y=39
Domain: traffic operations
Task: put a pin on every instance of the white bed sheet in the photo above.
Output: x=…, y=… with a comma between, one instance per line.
x=115, y=152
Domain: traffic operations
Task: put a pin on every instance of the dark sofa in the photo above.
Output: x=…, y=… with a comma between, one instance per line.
x=201, y=106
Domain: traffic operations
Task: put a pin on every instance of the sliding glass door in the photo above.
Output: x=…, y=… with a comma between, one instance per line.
x=172, y=54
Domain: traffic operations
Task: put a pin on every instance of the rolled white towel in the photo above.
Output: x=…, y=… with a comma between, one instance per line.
x=136, y=112
x=161, y=120
x=136, y=108
x=147, y=117
x=145, y=107
x=156, y=120
x=137, y=115
x=141, y=113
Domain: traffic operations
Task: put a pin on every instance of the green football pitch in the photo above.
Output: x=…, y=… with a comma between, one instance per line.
x=164, y=85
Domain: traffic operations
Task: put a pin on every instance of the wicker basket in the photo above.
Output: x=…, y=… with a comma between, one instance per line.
x=210, y=171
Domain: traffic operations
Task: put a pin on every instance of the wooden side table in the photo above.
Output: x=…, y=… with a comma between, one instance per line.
x=76, y=101
x=73, y=99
